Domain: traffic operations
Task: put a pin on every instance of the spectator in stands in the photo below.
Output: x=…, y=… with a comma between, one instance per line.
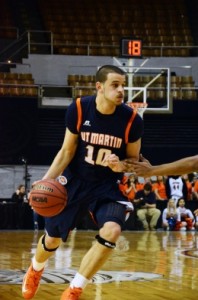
x=176, y=187
x=195, y=188
x=170, y=216
x=20, y=198
x=189, y=186
x=186, y=216
x=145, y=201
x=196, y=220
x=159, y=188
x=139, y=183
x=127, y=187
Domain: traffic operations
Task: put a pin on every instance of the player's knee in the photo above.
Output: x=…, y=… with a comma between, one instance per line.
x=50, y=244
x=110, y=231
x=104, y=242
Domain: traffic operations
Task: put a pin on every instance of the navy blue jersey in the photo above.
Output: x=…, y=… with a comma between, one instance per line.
x=99, y=135
x=149, y=199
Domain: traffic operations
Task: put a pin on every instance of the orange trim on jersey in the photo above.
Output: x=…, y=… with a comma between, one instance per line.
x=92, y=217
x=79, y=111
x=129, y=126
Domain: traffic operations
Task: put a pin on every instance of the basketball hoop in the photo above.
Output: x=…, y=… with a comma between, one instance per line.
x=140, y=107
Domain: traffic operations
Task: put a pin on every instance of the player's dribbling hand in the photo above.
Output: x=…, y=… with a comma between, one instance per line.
x=34, y=183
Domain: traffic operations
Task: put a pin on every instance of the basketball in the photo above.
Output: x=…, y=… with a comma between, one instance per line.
x=48, y=197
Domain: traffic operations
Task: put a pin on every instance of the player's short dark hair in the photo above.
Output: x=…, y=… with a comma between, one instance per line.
x=103, y=71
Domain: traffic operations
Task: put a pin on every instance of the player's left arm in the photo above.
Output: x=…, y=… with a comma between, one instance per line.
x=132, y=155
x=132, y=149
x=134, y=144
x=117, y=165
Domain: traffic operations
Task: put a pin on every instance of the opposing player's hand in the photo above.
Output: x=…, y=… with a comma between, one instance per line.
x=141, y=167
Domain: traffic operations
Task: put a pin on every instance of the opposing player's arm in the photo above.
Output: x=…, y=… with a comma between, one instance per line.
x=64, y=156
x=179, y=167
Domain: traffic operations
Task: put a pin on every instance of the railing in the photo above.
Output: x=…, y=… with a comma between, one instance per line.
x=42, y=42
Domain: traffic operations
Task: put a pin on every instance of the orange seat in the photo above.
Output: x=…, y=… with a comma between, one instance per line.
x=30, y=91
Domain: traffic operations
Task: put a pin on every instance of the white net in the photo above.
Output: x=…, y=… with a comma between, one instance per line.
x=140, y=107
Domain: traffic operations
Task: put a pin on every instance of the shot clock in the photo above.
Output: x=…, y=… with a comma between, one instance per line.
x=131, y=48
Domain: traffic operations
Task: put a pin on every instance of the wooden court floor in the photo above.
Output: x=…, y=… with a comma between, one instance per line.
x=145, y=265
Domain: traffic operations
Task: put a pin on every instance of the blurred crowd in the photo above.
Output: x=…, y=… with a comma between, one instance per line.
x=176, y=191
x=163, y=187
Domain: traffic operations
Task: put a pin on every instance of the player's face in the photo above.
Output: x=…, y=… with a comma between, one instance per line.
x=113, y=88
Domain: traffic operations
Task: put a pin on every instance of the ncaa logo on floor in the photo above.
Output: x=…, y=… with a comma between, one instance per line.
x=66, y=275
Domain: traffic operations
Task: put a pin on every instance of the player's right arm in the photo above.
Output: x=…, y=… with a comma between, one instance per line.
x=183, y=166
x=64, y=156
x=68, y=149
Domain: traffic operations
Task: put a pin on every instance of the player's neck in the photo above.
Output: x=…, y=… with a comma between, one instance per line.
x=104, y=106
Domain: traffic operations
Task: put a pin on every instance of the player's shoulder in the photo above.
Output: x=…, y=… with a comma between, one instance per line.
x=127, y=110
x=86, y=100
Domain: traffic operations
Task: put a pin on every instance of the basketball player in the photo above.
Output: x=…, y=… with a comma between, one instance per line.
x=101, y=132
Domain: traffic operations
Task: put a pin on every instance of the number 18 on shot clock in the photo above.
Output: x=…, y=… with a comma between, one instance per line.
x=131, y=48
